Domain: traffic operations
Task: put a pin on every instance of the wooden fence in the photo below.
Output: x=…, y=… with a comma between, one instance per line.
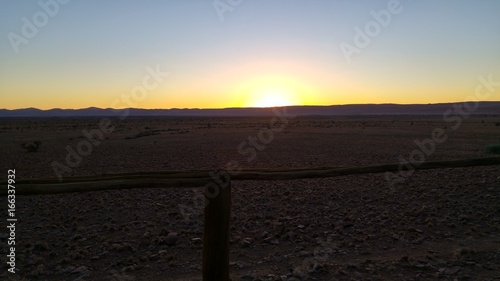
x=218, y=211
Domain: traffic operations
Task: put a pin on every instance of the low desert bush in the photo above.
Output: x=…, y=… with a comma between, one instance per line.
x=495, y=149
x=31, y=147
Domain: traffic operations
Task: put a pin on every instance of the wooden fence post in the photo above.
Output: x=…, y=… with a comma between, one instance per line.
x=216, y=231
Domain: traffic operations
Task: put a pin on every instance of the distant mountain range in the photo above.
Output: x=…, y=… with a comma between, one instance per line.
x=484, y=108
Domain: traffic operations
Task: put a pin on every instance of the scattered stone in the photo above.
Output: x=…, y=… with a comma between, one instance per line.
x=77, y=237
x=304, y=254
x=41, y=246
x=417, y=241
x=449, y=271
x=81, y=269
x=164, y=232
x=197, y=240
x=154, y=257
x=245, y=243
x=290, y=235
x=171, y=239
x=272, y=241
x=120, y=246
x=248, y=277
x=128, y=268
x=278, y=229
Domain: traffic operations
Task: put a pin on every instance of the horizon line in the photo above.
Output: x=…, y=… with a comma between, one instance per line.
x=223, y=108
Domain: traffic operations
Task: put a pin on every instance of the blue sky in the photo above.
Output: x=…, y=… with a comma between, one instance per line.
x=92, y=52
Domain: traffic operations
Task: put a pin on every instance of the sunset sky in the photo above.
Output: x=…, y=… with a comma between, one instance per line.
x=259, y=53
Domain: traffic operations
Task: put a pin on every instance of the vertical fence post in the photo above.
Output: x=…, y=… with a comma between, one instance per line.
x=216, y=230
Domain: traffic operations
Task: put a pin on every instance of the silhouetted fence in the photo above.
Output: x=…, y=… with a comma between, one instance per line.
x=218, y=211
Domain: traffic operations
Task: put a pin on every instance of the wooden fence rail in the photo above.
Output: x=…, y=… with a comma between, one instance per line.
x=218, y=212
x=193, y=178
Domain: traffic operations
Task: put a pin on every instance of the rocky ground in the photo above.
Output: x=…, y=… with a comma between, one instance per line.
x=439, y=224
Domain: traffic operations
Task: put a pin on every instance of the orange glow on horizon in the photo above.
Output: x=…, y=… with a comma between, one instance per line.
x=271, y=91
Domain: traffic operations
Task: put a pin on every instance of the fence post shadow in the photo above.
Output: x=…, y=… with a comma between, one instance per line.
x=216, y=231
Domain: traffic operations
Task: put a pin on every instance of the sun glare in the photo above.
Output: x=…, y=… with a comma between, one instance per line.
x=272, y=92
x=272, y=98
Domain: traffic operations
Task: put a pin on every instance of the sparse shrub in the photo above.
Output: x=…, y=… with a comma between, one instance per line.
x=31, y=147
x=144, y=134
x=495, y=149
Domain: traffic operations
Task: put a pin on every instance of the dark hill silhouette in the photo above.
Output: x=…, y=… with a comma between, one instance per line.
x=484, y=108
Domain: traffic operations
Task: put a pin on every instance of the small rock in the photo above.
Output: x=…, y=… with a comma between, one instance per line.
x=449, y=271
x=290, y=235
x=164, y=232
x=278, y=229
x=417, y=241
x=303, y=254
x=41, y=246
x=81, y=269
x=119, y=247
x=249, y=277
x=70, y=268
x=171, y=239
x=76, y=237
x=245, y=243
x=272, y=241
x=128, y=268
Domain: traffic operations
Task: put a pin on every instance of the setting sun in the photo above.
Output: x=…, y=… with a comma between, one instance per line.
x=272, y=91
x=272, y=98
x=272, y=101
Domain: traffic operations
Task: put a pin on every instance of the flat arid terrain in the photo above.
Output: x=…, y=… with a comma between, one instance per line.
x=439, y=224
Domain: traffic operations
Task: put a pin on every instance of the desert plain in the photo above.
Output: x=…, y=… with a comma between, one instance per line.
x=440, y=224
